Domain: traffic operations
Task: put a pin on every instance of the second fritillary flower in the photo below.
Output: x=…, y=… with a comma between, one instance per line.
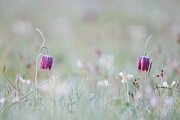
x=143, y=63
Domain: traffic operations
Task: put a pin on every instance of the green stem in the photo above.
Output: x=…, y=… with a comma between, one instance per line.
x=167, y=88
x=37, y=57
x=147, y=41
x=142, y=93
x=97, y=94
x=175, y=110
x=161, y=85
x=127, y=89
x=31, y=92
x=52, y=100
x=127, y=92
x=146, y=93
x=145, y=79
x=152, y=51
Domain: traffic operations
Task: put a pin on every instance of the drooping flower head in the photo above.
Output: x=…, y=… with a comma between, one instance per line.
x=143, y=63
x=46, y=62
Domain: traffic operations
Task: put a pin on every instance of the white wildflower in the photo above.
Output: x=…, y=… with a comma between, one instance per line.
x=165, y=84
x=2, y=100
x=79, y=64
x=28, y=82
x=22, y=80
x=121, y=74
x=129, y=76
x=123, y=81
x=174, y=82
x=103, y=83
x=125, y=77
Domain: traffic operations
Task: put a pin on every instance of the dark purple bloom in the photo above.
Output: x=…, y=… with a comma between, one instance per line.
x=143, y=63
x=46, y=62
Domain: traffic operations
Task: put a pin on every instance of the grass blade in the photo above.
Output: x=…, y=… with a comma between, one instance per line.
x=149, y=68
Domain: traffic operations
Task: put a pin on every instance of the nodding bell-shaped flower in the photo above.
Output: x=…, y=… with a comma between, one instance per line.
x=46, y=62
x=143, y=63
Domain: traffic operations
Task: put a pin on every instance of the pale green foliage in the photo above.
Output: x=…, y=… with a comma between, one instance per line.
x=91, y=42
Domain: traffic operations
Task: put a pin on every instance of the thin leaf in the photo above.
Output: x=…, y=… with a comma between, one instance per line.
x=147, y=41
x=97, y=94
x=14, y=87
x=150, y=68
x=25, y=96
x=4, y=68
x=166, y=88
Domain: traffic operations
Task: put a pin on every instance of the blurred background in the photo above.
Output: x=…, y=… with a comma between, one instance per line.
x=96, y=42
x=92, y=37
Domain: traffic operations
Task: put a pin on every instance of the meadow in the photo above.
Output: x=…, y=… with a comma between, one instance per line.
x=95, y=46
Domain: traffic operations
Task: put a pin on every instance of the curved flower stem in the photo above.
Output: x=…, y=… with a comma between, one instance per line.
x=35, y=79
x=147, y=41
x=152, y=51
x=46, y=49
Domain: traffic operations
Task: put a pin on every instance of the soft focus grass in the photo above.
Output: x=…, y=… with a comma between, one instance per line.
x=76, y=30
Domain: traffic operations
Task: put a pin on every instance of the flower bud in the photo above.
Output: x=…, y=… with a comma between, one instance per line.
x=46, y=62
x=143, y=63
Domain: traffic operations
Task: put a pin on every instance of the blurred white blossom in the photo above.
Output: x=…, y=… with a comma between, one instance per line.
x=103, y=83
x=79, y=64
x=121, y=74
x=2, y=100
x=125, y=77
x=20, y=78
x=123, y=81
x=174, y=83
x=129, y=76
x=28, y=82
x=165, y=84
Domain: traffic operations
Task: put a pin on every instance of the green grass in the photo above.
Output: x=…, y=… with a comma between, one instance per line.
x=91, y=43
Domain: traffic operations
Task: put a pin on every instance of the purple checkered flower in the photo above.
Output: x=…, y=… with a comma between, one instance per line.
x=46, y=62
x=143, y=63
